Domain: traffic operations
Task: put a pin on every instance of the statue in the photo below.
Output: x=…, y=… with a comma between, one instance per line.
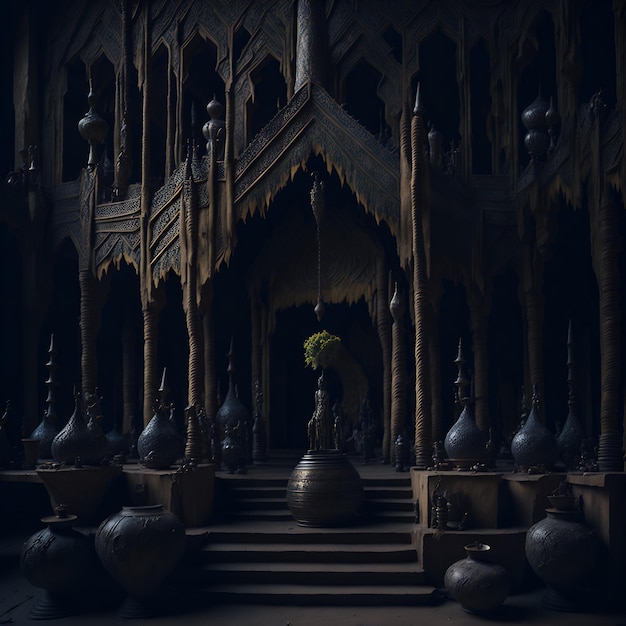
x=319, y=428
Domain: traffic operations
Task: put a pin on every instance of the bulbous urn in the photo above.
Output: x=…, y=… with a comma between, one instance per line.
x=534, y=446
x=563, y=551
x=60, y=560
x=140, y=546
x=159, y=445
x=324, y=490
x=476, y=582
x=465, y=443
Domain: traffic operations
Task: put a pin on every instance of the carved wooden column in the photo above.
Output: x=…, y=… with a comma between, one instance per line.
x=310, y=43
x=149, y=306
x=568, y=61
x=606, y=263
x=397, y=307
x=188, y=264
x=419, y=180
x=88, y=360
x=150, y=342
x=383, y=328
x=122, y=137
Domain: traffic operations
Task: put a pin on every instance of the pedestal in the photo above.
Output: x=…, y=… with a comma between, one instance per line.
x=187, y=494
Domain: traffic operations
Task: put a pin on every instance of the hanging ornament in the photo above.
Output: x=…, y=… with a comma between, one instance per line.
x=317, y=206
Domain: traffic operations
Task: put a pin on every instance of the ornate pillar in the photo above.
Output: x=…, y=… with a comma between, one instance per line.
x=150, y=343
x=606, y=262
x=310, y=43
x=397, y=307
x=383, y=327
x=188, y=264
x=149, y=307
x=88, y=360
x=419, y=182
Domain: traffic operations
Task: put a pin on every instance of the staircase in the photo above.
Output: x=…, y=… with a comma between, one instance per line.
x=256, y=553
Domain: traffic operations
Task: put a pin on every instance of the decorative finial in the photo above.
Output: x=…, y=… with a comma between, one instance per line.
x=417, y=109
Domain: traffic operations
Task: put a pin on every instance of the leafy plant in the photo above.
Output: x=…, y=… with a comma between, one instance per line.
x=320, y=349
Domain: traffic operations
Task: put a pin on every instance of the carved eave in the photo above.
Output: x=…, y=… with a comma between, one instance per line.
x=116, y=235
x=313, y=123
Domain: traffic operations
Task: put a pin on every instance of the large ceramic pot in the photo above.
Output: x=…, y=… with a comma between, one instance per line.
x=60, y=560
x=477, y=583
x=324, y=489
x=563, y=551
x=140, y=546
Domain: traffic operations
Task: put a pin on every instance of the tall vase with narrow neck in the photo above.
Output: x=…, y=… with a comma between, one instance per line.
x=465, y=443
x=534, y=446
x=233, y=413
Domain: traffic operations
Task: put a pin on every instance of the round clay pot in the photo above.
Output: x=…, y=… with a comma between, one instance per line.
x=324, y=489
x=60, y=560
x=140, y=546
x=563, y=552
x=478, y=584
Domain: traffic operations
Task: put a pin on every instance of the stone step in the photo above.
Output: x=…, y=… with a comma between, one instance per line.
x=260, y=515
x=377, y=491
x=288, y=531
x=328, y=595
x=388, y=504
x=308, y=553
x=403, y=573
x=257, y=504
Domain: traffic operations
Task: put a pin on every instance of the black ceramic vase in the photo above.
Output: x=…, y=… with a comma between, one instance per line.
x=76, y=441
x=324, y=490
x=563, y=551
x=46, y=431
x=478, y=584
x=465, y=443
x=534, y=446
x=233, y=450
x=160, y=444
x=140, y=546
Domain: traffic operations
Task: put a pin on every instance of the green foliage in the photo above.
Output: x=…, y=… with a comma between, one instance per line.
x=320, y=349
